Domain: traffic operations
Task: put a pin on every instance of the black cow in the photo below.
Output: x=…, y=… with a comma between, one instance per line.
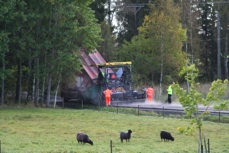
x=166, y=136
x=125, y=136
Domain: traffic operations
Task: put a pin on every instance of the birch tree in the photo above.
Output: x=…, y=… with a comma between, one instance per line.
x=72, y=26
x=158, y=46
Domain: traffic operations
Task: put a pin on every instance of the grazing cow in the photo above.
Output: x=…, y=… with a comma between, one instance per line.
x=83, y=138
x=125, y=136
x=166, y=136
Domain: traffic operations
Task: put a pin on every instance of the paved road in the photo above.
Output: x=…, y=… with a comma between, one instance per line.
x=159, y=107
x=156, y=106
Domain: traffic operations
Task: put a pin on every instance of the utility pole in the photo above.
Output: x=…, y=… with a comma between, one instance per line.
x=109, y=12
x=226, y=57
x=219, y=75
x=218, y=47
x=136, y=7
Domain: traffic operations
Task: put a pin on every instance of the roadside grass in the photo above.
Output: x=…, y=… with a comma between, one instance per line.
x=48, y=130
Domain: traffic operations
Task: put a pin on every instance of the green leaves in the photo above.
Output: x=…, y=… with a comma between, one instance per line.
x=157, y=48
x=192, y=98
x=186, y=130
x=46, y=37
x=218, y=90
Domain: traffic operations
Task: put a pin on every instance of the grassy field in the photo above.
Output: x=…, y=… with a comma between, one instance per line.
x=42, y=130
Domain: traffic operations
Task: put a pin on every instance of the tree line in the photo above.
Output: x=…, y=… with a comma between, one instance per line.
x=204, y=45
x=40, y=41
x=40, y=44
x=200, y=37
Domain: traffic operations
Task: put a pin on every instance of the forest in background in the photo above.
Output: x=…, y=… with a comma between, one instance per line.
x=40, y=41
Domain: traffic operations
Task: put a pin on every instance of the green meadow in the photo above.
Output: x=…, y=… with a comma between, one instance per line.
x=47, y=130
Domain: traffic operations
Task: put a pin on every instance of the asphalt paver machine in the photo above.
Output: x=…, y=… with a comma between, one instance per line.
x=117, y=76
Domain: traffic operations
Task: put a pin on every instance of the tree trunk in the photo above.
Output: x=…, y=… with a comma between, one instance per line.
x=218, y=48
x=161, y=77
x=48, y=91
x=37, y=92
x=186, y=49
x=43, y=81
x=191, y=38
x=29, y=76
x=43, y=90
x=226, y=57
x=109, y=13
x=33, y=87
x=3, y=81
x=18, y=85
x=57, y=89
x=162, y=65
x=200, y=140
x=37, y=83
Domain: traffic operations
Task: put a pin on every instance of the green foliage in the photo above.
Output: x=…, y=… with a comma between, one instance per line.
x=100, y=11
x=186, y=130
x=46, y=38
x=107, y=46
x=4, y=40
x=157, y=48
x=208, y=17
x=167, y=79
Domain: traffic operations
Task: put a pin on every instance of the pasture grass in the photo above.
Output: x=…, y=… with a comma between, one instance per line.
x=48, y=130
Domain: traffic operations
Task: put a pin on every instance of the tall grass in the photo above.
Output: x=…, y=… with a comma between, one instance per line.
x=41, y=130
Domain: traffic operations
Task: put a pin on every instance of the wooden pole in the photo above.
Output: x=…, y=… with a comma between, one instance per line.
x=201, y=149
x=205, y=145
x=117, y=108
x=163, y=112
x=138, y=110
x=111, y=145
x=219, y=116
x=208, y=146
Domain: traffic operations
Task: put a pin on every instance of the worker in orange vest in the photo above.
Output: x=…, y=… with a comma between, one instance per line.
x=107, y=94
x=150, y=93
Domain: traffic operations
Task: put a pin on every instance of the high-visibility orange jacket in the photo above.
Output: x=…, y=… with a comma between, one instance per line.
x=150, y=91
x=107, y=92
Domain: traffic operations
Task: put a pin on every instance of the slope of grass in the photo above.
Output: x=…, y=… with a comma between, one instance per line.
x=41, y=130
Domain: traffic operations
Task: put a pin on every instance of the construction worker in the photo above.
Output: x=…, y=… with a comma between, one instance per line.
x=170, y=92
x=150, y=94
x=107, y=94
